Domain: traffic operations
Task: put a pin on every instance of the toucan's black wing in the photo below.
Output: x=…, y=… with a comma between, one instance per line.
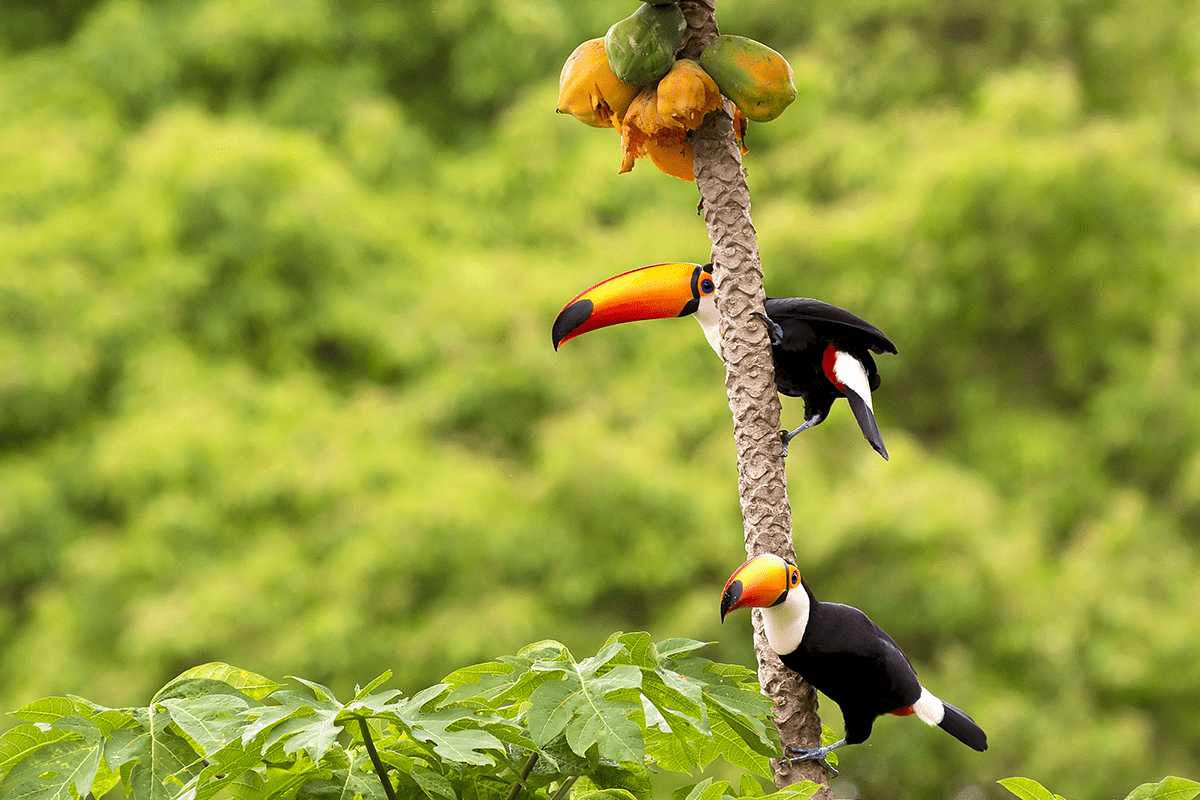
x=817, y=314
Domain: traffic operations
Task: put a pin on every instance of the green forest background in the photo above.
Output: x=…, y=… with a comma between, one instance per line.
x=277, y=386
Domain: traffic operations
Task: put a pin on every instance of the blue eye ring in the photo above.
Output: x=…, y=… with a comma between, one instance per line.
x=707, y=286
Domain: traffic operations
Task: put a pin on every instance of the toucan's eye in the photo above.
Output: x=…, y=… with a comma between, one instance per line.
x=707, y=286
x=795, y=577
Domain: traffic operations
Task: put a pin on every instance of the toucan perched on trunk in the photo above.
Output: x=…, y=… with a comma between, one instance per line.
x=821, y=352
x=842, y=653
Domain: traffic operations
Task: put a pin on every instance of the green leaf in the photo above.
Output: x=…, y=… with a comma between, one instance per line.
x=359, y=694
x=639, y=649
x=24, y=741
x=62, y=770
x=800, y=790
x=313, y=734
x=357, y=779
x=227, y=766
x=678, y=648
x=248, y=683
x=210, y=721
x=740, y=745
x=1026, y=789
x=51, y=709
x=707, y=789
x=433, y=784
x=578, y=706
x=606, y=794
x=462, y=746
x=1169, y=788
x=322, y=693
x=160, y=761
x=749, y=787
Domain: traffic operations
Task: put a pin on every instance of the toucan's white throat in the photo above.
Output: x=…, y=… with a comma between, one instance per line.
x=710, y=321
x=785, y=623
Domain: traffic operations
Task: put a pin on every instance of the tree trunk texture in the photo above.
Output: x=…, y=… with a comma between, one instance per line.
x=750, y=385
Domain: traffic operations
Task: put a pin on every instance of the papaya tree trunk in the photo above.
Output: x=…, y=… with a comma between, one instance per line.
x=750, y=385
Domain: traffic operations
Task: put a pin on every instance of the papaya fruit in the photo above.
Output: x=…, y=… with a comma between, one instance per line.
x=641, y=48
x=757, y=79
x=588, y=89
x=687, y=93
x=646, y=131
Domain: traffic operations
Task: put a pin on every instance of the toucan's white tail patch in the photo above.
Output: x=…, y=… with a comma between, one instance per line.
x=850, y=372
x=929, y=709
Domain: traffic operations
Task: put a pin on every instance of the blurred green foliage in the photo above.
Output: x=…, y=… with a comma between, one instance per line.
x=277, y=388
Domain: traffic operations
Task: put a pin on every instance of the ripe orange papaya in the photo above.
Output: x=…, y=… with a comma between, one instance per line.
x=687, y=93
x=588, y=89
x=756, y=78
x=641, y=48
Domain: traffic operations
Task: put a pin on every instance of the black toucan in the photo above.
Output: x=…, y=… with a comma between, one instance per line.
x=821, y=352
x=842, y=653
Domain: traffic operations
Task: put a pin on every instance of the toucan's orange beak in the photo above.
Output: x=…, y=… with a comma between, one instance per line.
x=759, y=583
x=655, y=292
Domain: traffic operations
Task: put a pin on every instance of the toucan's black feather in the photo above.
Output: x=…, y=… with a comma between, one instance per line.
x=836, y=323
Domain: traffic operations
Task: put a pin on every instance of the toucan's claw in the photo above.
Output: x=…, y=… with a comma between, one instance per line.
x=818, y=754
x=773, y=330
x=787, y=437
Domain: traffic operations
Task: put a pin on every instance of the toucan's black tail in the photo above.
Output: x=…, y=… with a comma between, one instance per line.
x=866, y=421
x=963, y=728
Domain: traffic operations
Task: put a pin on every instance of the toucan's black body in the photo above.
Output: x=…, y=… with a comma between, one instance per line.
x=842, y=653
x=807, y=328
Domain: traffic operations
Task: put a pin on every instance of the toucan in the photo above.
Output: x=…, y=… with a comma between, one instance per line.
x=842, y=653
x=821, y=352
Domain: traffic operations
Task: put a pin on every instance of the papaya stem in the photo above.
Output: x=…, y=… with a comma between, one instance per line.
x=519, y=782
x=380, y=769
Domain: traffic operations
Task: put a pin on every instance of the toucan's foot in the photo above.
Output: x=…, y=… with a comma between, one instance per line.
x=773, y=329
x=787, y=437
x=818, y=754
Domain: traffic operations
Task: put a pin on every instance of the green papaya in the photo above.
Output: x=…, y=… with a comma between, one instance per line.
x=757, y=79
x=641, y=48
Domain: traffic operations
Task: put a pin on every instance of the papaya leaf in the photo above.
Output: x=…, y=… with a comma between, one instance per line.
x=801, y=790
x=433, y=784
x=545, y=650
x=639, y=649
x=355, y=779
x=25, y=741
x=606, y=794
x=1026, y=788
x=160, y=761
x=51, y=709
x=1169, y=788
x=63, y=770
x=314, y=734
x=461, y=746
x=707, y=789
x=225, y=767
x=210, y=722
x=739, y=749
x=322, y=692
x=360, y=693
x=678, y=648
x=749, y=787
x=578, y=706
x=246, y=682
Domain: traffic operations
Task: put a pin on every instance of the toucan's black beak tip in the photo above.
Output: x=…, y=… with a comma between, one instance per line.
x=569, y=319
x=729, y=599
